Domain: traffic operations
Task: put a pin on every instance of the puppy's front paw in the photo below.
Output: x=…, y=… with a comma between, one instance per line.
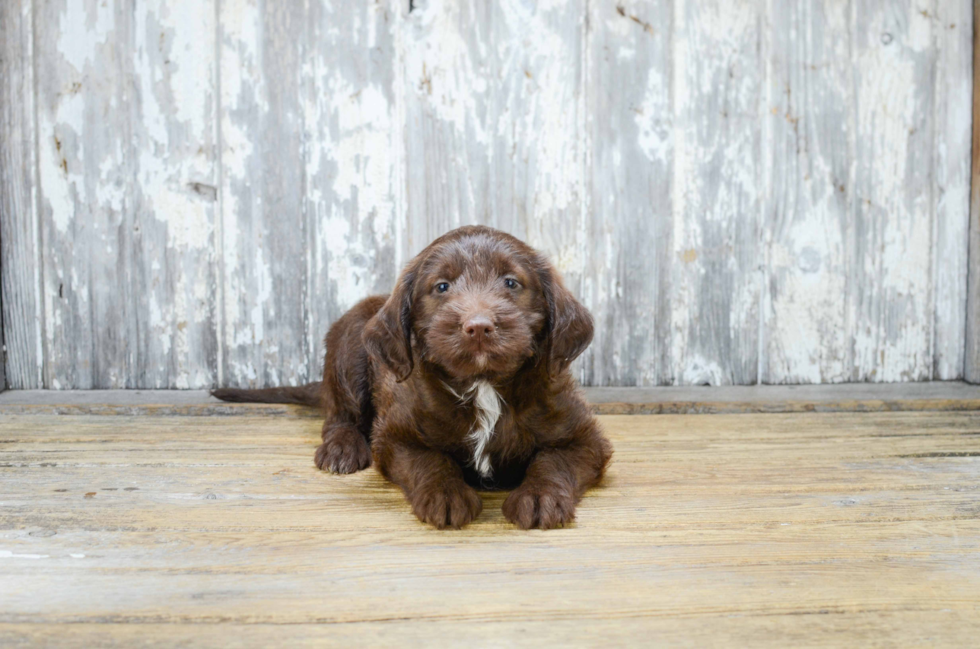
x=344, y=450
x=543, y=505
x=448, y=504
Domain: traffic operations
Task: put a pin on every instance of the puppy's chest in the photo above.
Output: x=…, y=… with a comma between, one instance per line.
x=492, y=430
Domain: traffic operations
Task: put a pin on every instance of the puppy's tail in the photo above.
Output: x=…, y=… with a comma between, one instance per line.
x=306, y=395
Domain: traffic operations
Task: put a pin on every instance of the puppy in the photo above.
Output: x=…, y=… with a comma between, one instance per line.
x=460, y=379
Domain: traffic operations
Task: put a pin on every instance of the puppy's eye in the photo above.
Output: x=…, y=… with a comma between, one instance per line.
x=442, y=287
x=511, y=283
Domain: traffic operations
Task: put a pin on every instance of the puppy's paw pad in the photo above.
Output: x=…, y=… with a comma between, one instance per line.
x=544, y=507
x=447, y=505
x=343, y=453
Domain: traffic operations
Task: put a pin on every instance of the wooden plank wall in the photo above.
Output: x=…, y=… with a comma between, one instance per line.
x=742, y=192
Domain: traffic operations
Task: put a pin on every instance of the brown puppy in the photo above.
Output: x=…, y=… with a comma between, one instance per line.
x=458, y=379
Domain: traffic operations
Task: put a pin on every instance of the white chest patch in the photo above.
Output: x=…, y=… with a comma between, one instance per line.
x=488, y=405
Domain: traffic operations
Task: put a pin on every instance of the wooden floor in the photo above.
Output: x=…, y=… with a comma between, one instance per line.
x=858, y=529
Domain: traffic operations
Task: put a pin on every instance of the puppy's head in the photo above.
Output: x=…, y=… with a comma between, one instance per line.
x=478, y=303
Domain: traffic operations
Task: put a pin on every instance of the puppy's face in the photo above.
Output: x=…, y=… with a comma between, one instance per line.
x=478, y=303
x=479, y=306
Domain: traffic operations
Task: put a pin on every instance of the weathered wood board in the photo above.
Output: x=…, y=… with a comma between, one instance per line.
x=630, y=243
x=765, y=530
x=972, y=372
x=126, y=158
x=742, y=192
x=19, y=242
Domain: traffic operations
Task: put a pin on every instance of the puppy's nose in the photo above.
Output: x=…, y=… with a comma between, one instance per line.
x=478, y=327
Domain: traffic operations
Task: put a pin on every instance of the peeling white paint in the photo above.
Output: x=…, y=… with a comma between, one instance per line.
x=442, y=70
x=84, y=27
x=7, y=554
x=654, y=136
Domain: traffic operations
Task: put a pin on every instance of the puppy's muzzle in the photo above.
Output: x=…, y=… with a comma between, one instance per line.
x=478, y=330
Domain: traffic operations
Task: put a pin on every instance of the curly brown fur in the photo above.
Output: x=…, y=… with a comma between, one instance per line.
x=412, y=381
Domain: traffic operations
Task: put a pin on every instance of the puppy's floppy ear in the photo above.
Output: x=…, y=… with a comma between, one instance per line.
x=568, y=329
x=388, y=335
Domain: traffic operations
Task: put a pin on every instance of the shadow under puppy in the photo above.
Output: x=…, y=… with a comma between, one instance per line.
x=458, y=379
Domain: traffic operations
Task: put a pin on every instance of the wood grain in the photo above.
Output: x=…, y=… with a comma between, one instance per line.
x=826, y=629
x=448, y=64
x=353, y=156
x=972, y=366
x=19, y=254
x=890, y=301
x=310, y=167
x=829, y=236
x=809, y=233
x=718, y=73
x=817, y=529
x=494, y=108
x=953, y=40
x=175, y=74
x=87, y=194
x=265, y=239
x=127, y=174
x=631, y=258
